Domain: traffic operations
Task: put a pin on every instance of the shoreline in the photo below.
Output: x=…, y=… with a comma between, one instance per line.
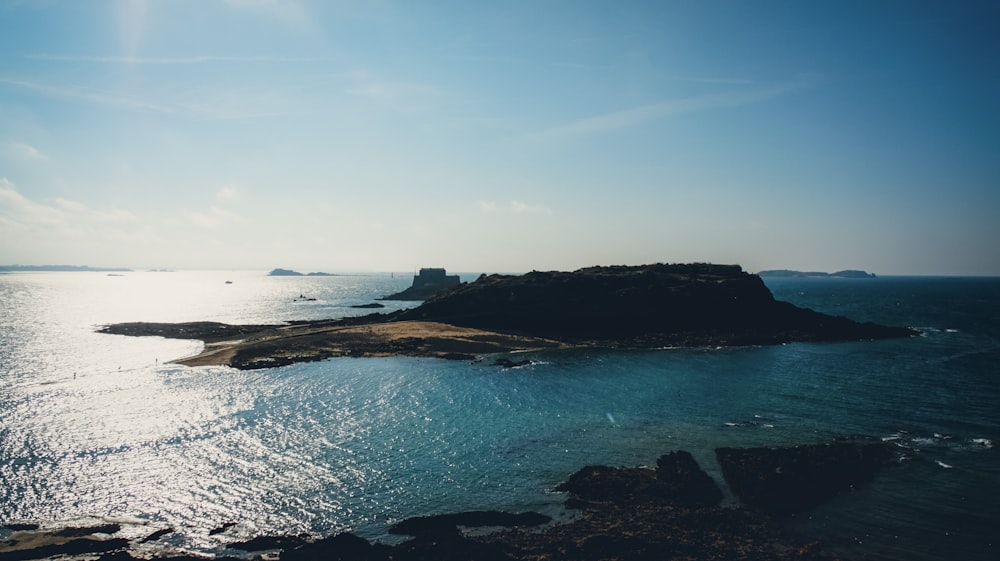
x=269, y=346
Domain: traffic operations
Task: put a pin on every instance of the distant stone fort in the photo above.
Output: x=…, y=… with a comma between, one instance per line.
x=425, y=284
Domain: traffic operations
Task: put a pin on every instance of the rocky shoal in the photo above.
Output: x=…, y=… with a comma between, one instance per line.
x=673, y=511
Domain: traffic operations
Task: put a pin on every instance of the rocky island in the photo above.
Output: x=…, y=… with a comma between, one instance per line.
x=617, y=307
x=291, y=273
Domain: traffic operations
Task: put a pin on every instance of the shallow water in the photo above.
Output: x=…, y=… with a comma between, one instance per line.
x=101, y=425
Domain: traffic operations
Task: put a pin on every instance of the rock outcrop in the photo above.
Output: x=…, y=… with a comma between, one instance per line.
x=426, y=284
x=787, y=480
x=677, y=480
x=640, y=306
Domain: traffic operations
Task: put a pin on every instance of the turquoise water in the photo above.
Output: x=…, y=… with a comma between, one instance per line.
x=101, y=426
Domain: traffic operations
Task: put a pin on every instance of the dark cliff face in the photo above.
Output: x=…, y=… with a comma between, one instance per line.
x=685, y=302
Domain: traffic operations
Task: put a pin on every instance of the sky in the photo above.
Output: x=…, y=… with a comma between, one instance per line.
x=501, y=136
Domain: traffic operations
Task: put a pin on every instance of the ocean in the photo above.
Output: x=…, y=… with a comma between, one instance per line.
x=103, y=427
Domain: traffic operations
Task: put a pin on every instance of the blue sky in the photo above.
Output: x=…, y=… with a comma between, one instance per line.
x=501, y=136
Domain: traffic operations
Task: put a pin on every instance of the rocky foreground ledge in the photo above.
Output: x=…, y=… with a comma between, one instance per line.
x=674, y=511
x=642, y=307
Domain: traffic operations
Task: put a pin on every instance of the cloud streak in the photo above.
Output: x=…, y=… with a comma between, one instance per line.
x=89, y=95
x=515, y=207
x=219, y=110
x=62, y=221
x=137, y=60
x=24, y=152
x=618, y=120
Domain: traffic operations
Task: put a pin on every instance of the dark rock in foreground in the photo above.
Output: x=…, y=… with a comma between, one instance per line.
x=341, y=547
x=642, y=306
x=670, y=513
x=685, y=482
x=678, y=480
x=447, y=524
x=787, y=480
x=264, y=543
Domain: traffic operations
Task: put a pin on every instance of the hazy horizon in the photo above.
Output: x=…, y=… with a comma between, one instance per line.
x=389, y=136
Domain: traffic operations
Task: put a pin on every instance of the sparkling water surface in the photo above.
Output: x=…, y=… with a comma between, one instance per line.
x=95, y=425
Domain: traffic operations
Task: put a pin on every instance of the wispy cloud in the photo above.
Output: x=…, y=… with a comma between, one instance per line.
x=22, y=218
x=214, y=217
x=710, y=80
x=522, y=207
x=224, y=106
x=289, y=12
x=89, y=95
x=366, y=84
x=23, y=152
x=516, y=207
x=617, y=120
x=196, y=59
x=227, y=193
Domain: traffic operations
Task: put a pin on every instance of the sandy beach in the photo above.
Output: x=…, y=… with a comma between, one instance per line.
x=248, y=347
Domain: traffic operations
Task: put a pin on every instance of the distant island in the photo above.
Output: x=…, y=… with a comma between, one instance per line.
x=291, y=273
x=642, y=307
x=845, y=274
x=429, y=282
x=61, y=268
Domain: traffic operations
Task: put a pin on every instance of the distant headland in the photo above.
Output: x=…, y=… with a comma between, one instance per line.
x=845, y=274
x=291, y=273
x=61, y=268
x=617, y=307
